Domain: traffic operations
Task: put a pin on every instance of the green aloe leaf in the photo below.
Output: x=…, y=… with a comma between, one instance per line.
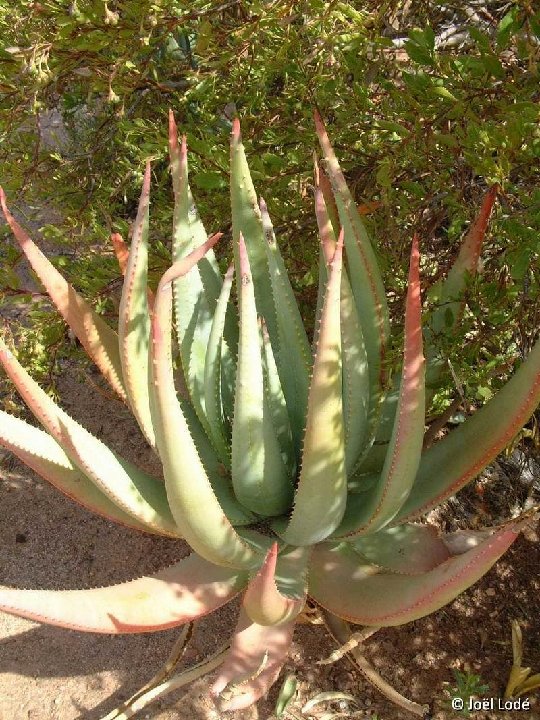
x=406, y=549
x=322, y=489
x=45, y=456
x=246, y=219
x=193, y=502
x=121, y=250
x=217, y=472
x=294, y=354
x=259, y=475
x=450, y=296
x=189, y=589
x=195, y=294
x=385, y=498
x=213, y=372
x=365, y=278
x=98, y=339
x=456, y=459
x=134, y=318
x=451, y=300
x=355, y=365
x=364, y=594
x=140, y=495
x=277, y=404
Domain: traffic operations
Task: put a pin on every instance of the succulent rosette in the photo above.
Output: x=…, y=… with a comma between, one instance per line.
x=293, y=469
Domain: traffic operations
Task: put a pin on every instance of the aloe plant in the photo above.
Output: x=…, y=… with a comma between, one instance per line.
x=257, y=427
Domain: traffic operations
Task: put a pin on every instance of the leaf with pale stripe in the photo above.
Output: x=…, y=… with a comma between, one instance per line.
x=195, y=294
x=134, y=320
x=364, y=273
x=293, y=353
x=321, y=494
x=246, y=219
x=355, y=366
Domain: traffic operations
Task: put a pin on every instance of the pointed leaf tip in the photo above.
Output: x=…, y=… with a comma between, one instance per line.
x=173, y=130
x=235, y=132
x=319, y=123
x=147, y=175
x=184, y=265
x=98, y=339
x=121, y=251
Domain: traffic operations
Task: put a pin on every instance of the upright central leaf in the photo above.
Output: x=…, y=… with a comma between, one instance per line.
x=193, y=502
x=322, y=489
x=384, y=499
x=259, y=474
x=195, y=294
x=273, y=293
x=364, y=273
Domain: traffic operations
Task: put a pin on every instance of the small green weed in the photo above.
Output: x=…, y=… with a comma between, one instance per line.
x=467, y=685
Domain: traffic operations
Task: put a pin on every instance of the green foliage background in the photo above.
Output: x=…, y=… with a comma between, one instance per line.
x=427, y=105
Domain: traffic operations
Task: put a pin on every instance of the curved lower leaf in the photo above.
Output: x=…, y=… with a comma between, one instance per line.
x=363, y=594
x=185, y=591
x=456, y=459
x=406, y=549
